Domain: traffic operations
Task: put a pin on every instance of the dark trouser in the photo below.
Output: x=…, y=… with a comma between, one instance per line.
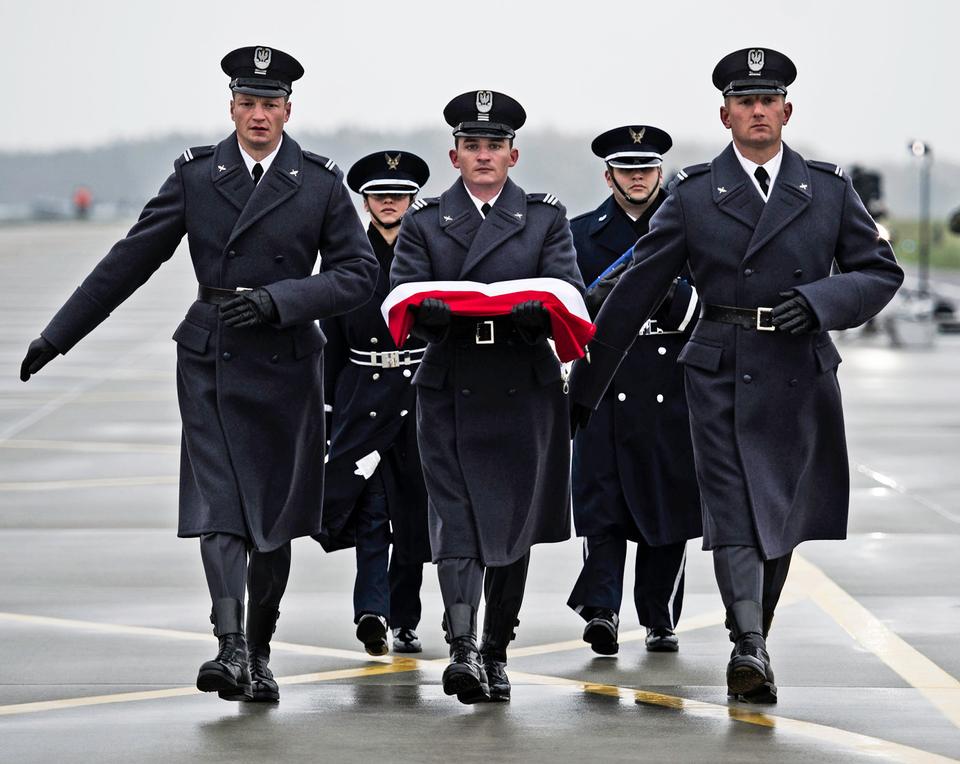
x=658, y=584
x=393, y=590
x=463, y=579
x=743, y=574
x=230, y=573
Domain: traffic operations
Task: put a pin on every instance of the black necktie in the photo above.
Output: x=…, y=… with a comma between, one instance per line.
x=257, y=173
x=763, y=177
x=485, y=209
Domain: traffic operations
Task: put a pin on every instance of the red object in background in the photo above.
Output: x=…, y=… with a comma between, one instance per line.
x=569, y=320
x=82, y=199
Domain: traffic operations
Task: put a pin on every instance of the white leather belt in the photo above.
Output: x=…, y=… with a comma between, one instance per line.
x=387, y=359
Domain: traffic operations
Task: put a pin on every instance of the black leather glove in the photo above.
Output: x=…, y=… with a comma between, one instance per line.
x=579, y=417
x=249, y=308
x=531, y=320
x=39, y=354
x=599, y=292
x=433, y=320
x=794, y=314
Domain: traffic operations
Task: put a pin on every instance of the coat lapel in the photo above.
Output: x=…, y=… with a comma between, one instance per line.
x=277, y=185
x=229, y=174
x=791, y=195
x=610, y=228
x=459, y=217
x=733, y=192
x=384, y=253
x=507, y=217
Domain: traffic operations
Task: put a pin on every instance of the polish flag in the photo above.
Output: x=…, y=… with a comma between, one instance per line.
x=570, y=323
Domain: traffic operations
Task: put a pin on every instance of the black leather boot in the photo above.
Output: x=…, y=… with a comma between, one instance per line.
x=228, y=674
x=498, y=632
x=601, y=631
x=261, y=623
x=749, y=673
x=465, y=676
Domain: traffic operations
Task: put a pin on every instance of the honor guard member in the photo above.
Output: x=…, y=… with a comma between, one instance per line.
x=492, y=414
x=256, y=209
x=760, y=228
x=374, y=482
x=633, y=475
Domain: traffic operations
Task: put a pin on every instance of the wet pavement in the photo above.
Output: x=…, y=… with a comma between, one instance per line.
x=103, y=611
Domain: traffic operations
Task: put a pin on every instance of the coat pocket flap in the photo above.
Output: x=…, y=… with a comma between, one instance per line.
x=192, y=336
x=547, y=369
x=706, y=357
x=828, y=357
x=430, y=375
x=308, y=341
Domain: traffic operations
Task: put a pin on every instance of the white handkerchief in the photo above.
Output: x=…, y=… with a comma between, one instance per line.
x=367, y=465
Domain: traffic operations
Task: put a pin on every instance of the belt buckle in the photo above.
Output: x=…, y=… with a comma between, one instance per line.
x=390, y=359
x=760, y=325
x=650, y=327
x=480, y=338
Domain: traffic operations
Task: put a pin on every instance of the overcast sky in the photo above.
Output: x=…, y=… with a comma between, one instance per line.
x=871, y=74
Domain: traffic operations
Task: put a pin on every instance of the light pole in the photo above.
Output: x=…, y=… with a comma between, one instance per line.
x=924, y=154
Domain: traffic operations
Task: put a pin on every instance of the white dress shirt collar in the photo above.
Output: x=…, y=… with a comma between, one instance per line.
x=265, y=163
x=479, y=202
x=772, y=167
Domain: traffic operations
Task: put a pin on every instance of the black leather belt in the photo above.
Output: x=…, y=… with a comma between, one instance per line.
x=749, y=318
x=483, y=331
x=215, y=295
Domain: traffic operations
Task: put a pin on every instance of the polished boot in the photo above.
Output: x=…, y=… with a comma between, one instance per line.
x=372, y=631
x=601, y=631
x=228, y=674
x=406, y=641
x=261, y=623
x=465, y=676
x=498, y=632
x=749, y=673
x=662, y=639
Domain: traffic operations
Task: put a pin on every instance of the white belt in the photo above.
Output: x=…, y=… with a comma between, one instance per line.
x=651, y=328
x=388, y=359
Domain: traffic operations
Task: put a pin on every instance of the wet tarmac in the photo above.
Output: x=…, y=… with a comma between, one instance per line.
x=104, y=613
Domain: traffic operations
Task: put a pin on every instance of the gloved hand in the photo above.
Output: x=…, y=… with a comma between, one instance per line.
x=249, y=308
x=595, y=295
x=579, y=417
x=39, y=354
x=794, y=314
x=531, y=320
x=433, y=320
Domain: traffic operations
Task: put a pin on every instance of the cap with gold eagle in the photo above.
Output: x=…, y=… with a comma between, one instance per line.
x=388, y=172
x=261, y=71
x=632, y=146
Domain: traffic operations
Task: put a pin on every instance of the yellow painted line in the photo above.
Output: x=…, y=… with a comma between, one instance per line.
x=66, y=485
x=853, y=741
x=91, y=446
x=939, y=687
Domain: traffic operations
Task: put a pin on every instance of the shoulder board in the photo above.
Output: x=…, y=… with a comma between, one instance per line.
x=428, y=201
x=829, y=167
x=544, y=199
x=325, y=162
x=694, y=169
x=195, y=152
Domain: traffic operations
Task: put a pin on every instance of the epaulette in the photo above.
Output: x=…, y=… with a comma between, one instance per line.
x=325, y=162
x=830, y=167
x=427, y=201
x=194, y=152
x=694, y=169
x=544, y=199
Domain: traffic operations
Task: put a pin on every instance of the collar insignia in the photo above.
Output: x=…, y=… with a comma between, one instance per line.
x=803, y=186
x=721, y=189
x=294, y=173
x=221, y=168
x=447, y=218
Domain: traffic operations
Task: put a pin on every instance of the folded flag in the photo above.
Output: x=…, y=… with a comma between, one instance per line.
x=569, y=321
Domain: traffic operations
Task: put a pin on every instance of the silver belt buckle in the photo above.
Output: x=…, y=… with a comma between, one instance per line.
x=390, y=359
x=484, y=334
x=760, y=327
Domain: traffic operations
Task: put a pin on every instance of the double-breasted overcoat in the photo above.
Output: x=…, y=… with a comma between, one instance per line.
x=765, y=411
x=492, y=419
x=251, y=399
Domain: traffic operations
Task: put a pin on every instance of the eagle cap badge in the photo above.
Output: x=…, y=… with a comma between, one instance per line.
x=392, y=162
x=637, y=135
x=261, y=58
x=484, y=101
x=755, y=61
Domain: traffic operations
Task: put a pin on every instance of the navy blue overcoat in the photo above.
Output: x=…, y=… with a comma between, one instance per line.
x=765, y=411
x=251, y=399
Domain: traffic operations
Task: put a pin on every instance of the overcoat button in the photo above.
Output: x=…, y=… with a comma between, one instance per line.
x=621, y=396
x=373, y=340
x=465, y=392
x=659, y=398
x=793, y=383
x=226, y=356
x=278, y=259
x=274, y=359
x=798, y=273
x=406, y=373
x=662, y=351
x=404, y=412
x=747, y=378
x=375, y=376
x=232, y=253
x=748, y=272
x=373, y=414
x=512, y=391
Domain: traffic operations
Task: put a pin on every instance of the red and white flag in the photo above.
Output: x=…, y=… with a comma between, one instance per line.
x=569, y=320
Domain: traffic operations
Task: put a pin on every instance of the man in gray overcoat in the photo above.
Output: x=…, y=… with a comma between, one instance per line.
x=761, y=229
x=492, y=418
x=256, y=210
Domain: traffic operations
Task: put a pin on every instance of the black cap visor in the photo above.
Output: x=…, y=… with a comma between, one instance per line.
x=483, y=130
x=258, y=86
x=755, y=87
